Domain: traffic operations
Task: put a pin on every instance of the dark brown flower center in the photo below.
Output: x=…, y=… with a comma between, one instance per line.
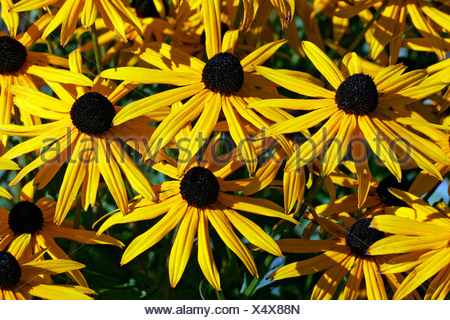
x=359, y=237
x=199, y=187
x=387, y=197
x=10, y=271
x=25, y=217
x=146, y=8
x=223, y=73
x=12, y=55
x=357, y=95
x=92, y=113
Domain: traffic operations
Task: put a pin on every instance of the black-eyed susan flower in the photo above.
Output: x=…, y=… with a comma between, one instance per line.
x=361, y=109
x=22, y=278
x=113, y=12
x=82, y=132
x=428, y=18
x=222, y=84
x=18, y=66
x=193, y=201
x=343, y=255
x=421, y=235
x=29, y=224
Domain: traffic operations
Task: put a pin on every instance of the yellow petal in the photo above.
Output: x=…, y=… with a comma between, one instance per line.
x=405, y=226
x=11, y=18
x=182, y=246
x=155, y=233
x=254, y=205
x=89, y=13
x=59, y=75
x=296, y=81
x=423, y=272
x=205, y=257
x=149, y=76
x=224, y=229
x=403, y=244
x=259, y=56
x=211, y=13
x=229, y=40
x=252, y=232
x=156, y=102
x=374, y=281
x=379, y=145
x=323, y=63
x=28, y=5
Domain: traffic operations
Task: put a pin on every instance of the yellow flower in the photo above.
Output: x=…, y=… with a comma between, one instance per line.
x=223, y=84
x=81, y=131
x=29, y=225
x=422, y=236
x=344, y=255
x=113, y=12
x=194, y=200
x=18, y=65
x=21, y=278
x=359, y=111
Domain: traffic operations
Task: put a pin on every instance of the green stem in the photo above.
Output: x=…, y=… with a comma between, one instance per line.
x=288, y=226
x=358, y=39
x=96, y=48
x=220, y=295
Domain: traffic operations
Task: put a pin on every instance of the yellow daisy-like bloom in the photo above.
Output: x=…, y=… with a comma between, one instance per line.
x=359, y=111
x=113, y=12
x=224, y=83
x=192, y=201
x=6, y=164
x=422, y=236
x=22, y=277
x=29, y=225
x=81, y=131
x=344, y=254
x=390, y=27
x=18, y=65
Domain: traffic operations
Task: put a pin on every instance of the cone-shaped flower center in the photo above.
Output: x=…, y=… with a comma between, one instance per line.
x=25, y=217
x=358, y=95
x=92, y=113
x=12, y=55
x=359, y=237
x=223, y=73
x=387, y=197
x=199, y=187
x=10, y=271
x=146, y=8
